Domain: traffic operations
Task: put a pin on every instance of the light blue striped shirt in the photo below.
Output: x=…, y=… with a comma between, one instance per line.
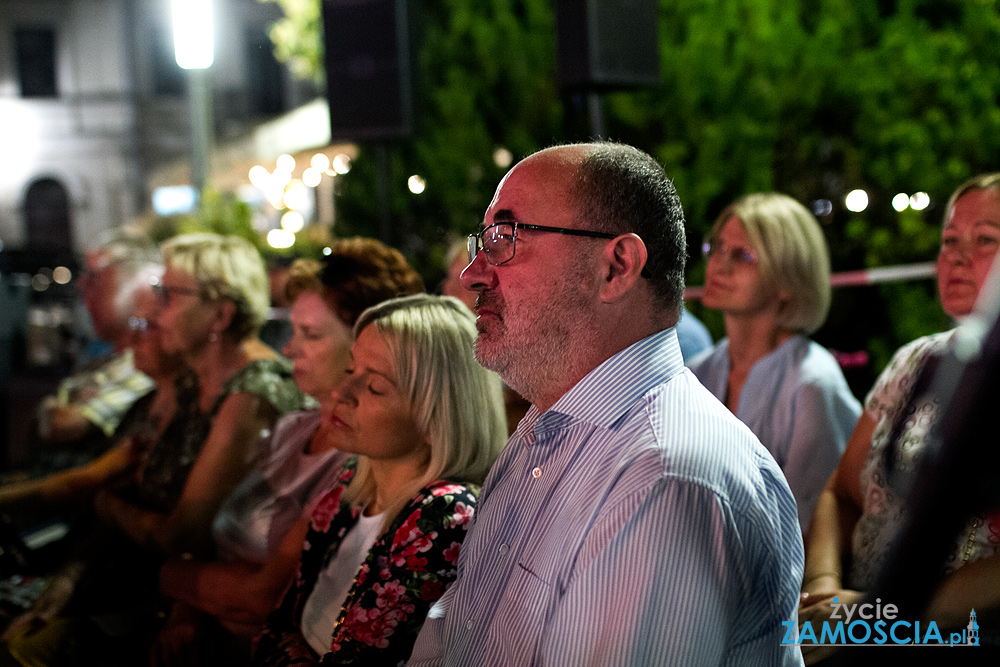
x=636, y=522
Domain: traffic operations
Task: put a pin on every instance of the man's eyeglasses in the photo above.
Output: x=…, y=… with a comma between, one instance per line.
x=141, y=325
x=499, y=241
x=164, y=292
x=738, y=255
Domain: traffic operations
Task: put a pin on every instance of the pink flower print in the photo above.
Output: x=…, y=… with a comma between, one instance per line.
x=388, y=594
x=362, y=575
x=416, y=564
x=357, y=615
x=407, y=532
x=451, y=553
x=326, y=509
x=462, y=515
x=420, y=545
x=447, y=489
x=993, y=521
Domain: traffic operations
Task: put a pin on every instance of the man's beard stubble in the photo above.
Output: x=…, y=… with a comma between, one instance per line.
x=531, y=347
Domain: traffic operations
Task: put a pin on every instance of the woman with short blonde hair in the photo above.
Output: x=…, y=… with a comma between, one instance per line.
x=791, y=252
x=225, y=267
x=214, y=297
x=769, y=273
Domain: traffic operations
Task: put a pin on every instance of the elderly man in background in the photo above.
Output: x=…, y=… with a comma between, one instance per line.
x=92, y=401
x=631, y=519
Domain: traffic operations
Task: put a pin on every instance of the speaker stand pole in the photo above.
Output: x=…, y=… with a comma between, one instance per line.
x=382, y=191
x=596, y=113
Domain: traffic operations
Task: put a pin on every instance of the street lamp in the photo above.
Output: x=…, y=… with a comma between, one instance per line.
x=194, y=51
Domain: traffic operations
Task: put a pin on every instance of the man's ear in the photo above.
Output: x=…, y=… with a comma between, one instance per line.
x=623, y=261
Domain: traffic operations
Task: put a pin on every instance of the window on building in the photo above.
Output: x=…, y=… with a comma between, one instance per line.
x=35, y=50
x=46, y=215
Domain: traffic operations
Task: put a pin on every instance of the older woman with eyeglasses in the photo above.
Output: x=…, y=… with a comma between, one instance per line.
x=769, y=273
x=214, y=299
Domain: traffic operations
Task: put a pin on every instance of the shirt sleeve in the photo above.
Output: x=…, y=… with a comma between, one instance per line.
x=893, y=384
x=822, y=420
x=118, y=386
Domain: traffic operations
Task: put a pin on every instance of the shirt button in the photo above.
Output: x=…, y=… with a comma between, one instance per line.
x=503, y=549
x=468, y=624
x=536, y=473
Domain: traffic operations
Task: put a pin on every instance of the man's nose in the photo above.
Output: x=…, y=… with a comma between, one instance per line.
x=479, y=275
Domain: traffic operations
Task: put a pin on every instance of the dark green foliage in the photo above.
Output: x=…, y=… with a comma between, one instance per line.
x=808, y=97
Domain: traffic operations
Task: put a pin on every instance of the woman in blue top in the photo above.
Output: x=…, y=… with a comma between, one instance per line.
x=769, y=273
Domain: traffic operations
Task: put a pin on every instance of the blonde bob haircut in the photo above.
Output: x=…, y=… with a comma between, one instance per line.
x=225, y=267
x=981, y=182
x=456, y=403
x=791, y=253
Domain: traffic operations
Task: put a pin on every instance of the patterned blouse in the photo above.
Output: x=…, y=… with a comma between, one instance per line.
x=883, y=505
x=170, y=459
x=407, y=569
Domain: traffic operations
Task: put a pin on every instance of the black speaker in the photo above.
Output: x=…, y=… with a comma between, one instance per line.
x=606, y=44
x=368, y=79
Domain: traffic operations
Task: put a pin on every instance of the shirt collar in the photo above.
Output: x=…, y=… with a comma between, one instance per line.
x=607, y=392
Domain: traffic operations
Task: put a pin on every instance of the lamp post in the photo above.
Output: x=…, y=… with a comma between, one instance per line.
x=194, y=51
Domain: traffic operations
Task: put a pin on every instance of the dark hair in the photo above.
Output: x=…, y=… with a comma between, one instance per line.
x=620, y=189
x=357, y=274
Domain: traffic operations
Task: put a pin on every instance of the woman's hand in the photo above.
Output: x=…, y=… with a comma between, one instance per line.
x=816, y=607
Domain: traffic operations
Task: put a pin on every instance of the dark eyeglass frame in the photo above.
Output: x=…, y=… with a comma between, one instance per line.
x=714, y=248
x=476, y=240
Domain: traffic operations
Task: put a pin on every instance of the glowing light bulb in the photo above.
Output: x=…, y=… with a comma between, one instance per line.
x=416, y=183
x=856, y=201
x=919, y=201
x=280, y=238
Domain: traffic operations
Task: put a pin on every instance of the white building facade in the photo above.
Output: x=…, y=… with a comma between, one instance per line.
x=92, y=103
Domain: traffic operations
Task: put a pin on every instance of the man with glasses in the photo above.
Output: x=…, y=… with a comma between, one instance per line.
x=631, y=518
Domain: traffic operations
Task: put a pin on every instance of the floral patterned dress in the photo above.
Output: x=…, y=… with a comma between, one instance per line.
x=407, y=569
x=883, y=504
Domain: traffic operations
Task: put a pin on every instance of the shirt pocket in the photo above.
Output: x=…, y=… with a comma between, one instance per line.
x=524, y=609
